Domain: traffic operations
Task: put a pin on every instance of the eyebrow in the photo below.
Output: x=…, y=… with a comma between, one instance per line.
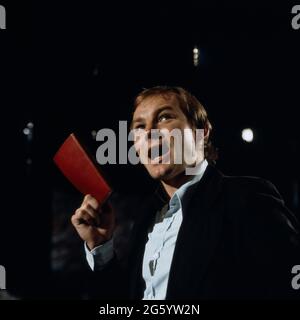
x=160, y=109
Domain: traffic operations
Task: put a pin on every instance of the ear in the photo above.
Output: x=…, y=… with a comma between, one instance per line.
x=206, y=133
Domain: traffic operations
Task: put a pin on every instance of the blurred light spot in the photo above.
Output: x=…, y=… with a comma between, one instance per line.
x=196, y=54
x=26, y=131
x=247, y=135
x=96, y=71
x=94, y=133
x=30, y=125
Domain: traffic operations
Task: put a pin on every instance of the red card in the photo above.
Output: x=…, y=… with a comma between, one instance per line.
x=80, y=169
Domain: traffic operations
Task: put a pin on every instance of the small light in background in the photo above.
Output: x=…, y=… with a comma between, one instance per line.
x=196, y=54
x=247, y=135
x=196, y=50
x=94, y=133
x=26, y=131
x=30, y=125
x=96, y=71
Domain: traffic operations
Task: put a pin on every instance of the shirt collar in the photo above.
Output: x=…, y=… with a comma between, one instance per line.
x=181, y=196
x=199, y=171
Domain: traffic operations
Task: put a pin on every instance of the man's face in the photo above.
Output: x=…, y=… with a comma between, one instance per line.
x=163, y=114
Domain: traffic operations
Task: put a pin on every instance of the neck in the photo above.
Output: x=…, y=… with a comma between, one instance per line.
x=172, y=185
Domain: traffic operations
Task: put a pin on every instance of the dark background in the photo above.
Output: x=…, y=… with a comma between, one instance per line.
x=76, y=67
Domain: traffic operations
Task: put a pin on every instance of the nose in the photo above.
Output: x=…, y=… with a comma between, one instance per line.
x=150, y=126
x=153, y=133
x=148, y=129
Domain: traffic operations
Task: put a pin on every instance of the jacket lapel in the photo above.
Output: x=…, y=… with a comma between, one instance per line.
x=197, y=238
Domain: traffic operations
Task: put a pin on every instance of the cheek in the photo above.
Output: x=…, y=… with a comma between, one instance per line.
x=189, y=139
x=137, y=146
x=142, y=151
x=183, y=145
x=140, y=143
x=193, y=146
x=174, y=124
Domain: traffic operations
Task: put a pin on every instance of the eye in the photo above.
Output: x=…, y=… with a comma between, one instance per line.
x=139, y=126
x=164, y=117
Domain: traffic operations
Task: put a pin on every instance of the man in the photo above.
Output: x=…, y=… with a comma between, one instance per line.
x=204, y=236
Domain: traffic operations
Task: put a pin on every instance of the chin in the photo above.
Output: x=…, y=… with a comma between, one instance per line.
x=159, y=171
x=162, y=171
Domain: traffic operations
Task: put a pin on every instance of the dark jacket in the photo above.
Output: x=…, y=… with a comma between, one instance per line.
x=237, y=241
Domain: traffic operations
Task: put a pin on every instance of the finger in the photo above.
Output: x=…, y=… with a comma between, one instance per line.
x=82, y=217
x=88, y=199
x=90, y=210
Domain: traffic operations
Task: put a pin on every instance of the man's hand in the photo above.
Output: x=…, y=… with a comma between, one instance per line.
x=94, y=225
